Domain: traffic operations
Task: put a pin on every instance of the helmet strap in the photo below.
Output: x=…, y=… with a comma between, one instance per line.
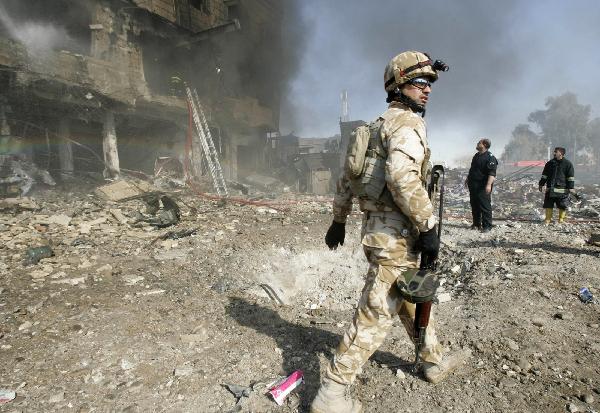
x=397, y=96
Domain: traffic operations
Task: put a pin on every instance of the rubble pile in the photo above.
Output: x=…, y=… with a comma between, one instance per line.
x=18, y=176
x=516, y=197
x=140, y=304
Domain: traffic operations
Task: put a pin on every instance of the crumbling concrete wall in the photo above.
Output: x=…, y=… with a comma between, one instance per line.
x=195, y=15
x=164, y=8
x=113, y=77
x=212, y=14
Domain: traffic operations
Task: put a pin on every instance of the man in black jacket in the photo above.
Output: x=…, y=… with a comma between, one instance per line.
x=559, y=178
x=480, y=182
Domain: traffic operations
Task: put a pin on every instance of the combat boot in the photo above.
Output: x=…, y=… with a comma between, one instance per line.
x=434, y=373
x=334, y=398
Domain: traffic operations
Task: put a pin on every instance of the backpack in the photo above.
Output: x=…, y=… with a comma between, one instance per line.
x=365, y=164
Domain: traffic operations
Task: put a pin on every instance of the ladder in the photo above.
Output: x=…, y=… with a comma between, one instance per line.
x=208, y=147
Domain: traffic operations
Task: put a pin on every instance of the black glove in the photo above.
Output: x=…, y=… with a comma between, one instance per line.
x=429, y=245
x=335, y=235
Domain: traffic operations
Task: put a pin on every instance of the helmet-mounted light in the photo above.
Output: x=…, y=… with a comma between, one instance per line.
x=440, y=66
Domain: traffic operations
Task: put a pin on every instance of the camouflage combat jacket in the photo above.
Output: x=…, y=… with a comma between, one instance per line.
x=404, y=137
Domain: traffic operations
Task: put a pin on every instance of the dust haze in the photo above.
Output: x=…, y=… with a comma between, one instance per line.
x=504, y=59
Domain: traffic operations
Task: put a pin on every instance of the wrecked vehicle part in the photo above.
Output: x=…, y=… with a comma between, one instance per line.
x=169, y=214
x=164, y=218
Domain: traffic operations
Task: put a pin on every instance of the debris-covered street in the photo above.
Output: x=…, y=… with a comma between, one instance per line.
x=119, y=319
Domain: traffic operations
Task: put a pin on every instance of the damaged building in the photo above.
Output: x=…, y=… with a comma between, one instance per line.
x=88, y=86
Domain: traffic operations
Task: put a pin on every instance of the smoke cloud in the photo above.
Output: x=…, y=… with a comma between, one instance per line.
x=505, y=58
x=27, y=22
x=37, y=38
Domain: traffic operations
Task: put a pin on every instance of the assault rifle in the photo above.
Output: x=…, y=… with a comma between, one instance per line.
x=419, y=286
x=423, y=309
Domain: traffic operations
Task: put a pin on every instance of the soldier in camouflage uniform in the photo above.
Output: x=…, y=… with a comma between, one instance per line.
x=394, y=233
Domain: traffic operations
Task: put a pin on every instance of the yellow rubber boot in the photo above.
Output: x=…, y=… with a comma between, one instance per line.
x=562, y=214
x=549, y=212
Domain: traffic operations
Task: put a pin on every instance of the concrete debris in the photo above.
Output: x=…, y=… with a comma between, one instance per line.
x=39, y=274
x=70, y=281
x=57, y=397
x=60, y=219
x=121, y=190
x=132, y=279
x=86, y=227
x=587, y=398
x=18, y=204
x=183, y=371
x=150, y=292
x=538, y=322
x=517, y=199
x=127, y=365
x=18, y=175
x=261, y=279
x=178, y=254
x=444, y=298
x=105, y=269
x=25, y=326
x=239, y=391
x=265, y=183
x=118, y=215
x=168, y=173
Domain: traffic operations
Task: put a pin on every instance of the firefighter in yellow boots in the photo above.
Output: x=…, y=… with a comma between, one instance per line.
x=558, y=177
x=398, y=224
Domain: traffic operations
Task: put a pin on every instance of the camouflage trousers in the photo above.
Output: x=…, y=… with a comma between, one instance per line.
x=379, y=304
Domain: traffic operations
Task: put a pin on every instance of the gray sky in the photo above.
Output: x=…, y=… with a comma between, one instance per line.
x=505, y=58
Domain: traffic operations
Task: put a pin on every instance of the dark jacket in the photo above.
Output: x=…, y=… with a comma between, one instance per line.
x=558, y=176
x=482, y=166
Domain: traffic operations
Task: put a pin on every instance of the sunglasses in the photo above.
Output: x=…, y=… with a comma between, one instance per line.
x=420, y=83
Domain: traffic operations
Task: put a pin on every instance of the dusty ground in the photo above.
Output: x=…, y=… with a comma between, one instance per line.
x=114, y=322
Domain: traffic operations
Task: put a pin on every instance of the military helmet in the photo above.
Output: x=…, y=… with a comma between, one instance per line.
x=407, y=66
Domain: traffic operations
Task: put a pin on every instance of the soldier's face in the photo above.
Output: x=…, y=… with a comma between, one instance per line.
x=417, y=93
x=480, y=147
x=558, y=155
